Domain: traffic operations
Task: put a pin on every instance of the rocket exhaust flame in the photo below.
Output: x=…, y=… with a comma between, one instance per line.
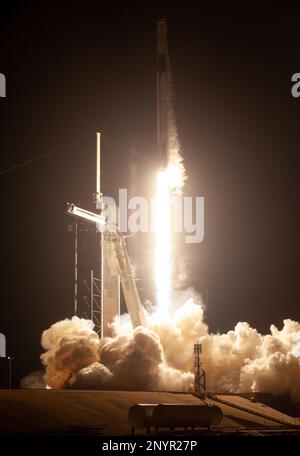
x=168, y=181
x=163, y=246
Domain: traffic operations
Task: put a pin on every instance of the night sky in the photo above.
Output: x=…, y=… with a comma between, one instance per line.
x=74, y=69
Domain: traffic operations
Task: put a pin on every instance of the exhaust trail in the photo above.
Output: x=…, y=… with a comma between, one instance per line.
x=171, y=176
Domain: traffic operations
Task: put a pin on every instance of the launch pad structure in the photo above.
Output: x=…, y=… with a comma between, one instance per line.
x=199, y=373
x=115, y=267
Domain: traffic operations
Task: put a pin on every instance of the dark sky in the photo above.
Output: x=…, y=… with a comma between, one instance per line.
x=73, y=69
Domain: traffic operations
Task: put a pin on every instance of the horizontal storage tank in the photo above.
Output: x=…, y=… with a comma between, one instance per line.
x=186, y=415
x=174, y=415
x=140, y=415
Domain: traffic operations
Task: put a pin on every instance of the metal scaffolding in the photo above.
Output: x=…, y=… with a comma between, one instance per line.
x=96, y=304
x=199, y=373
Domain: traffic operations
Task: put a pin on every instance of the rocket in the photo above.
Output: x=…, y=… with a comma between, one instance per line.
x=163, y=92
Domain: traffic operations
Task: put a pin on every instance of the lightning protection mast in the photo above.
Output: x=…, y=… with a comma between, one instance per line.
x=96, y=286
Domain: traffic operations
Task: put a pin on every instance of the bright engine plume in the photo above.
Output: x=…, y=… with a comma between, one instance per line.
x=163, y=245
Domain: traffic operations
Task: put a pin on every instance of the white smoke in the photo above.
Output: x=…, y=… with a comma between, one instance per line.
x=71, y=345
x=160, y=356
x=93, y=376
x=35, y=380
x=277, y=367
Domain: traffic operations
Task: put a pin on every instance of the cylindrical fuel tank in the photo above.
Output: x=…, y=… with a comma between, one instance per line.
x=174, y=415
x=140, y=415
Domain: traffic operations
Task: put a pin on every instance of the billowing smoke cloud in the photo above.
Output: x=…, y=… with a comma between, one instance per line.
x=35, y=380
x=160, y=356
x=277, y=367
x=71, y=345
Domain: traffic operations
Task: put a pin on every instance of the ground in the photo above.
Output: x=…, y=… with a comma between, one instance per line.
x=69, y=412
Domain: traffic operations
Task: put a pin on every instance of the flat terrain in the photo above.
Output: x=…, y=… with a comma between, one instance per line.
x=68, y=412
